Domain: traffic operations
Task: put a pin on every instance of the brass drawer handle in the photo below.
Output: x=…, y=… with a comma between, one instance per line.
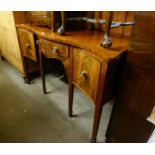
x=83, y=74
x=54, y=50
x=37, y=42
x=27, y=46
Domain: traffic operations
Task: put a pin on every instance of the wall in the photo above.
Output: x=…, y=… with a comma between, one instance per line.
x=8, y=40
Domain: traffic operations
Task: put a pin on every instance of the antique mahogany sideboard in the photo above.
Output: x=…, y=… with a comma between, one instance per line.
x=88, y=66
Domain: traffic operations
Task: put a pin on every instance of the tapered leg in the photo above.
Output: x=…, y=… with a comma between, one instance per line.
x=71, y=86
x=42, y=71
x=26, y=78
x=97, y=116
x=71, y=93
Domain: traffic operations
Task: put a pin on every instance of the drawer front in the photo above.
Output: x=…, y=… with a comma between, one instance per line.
x=86, y=71
x=40, y=20
x=51, y=49
x=41, y=13
x=26, y=40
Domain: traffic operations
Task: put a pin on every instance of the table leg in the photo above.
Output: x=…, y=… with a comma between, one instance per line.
x=71, y=93
x=42, y=72
x=71, y=86
x=26, y=78
x=97, y=116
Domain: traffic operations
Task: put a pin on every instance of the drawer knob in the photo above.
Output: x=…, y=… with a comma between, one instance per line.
x=37, y=42
x=83, y=74
x=54, y=50
x=27, y=45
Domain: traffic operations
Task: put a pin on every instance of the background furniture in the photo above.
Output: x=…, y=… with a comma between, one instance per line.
x=107, y=22
x=9, y=45
x=40, y=18
x=136, y=98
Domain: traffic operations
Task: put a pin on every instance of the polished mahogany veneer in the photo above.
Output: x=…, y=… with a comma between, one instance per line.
x=88, y=66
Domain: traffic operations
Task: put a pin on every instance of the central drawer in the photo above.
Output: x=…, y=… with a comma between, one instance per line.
x=51, y=49
x=86, y=72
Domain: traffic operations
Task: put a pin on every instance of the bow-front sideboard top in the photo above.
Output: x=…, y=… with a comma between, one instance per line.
x=90, y=67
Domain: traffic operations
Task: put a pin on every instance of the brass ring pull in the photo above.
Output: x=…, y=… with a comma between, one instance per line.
x=83, y=74
x=54, y=50
x=27, y=45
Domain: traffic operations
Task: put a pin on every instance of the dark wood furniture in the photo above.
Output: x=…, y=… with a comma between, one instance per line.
x=52, y=20
x=127, y=127
x=90, y=18
x=136, y=98
x=87, y=65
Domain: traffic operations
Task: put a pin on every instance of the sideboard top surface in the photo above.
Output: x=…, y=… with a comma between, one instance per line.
x=85, y=39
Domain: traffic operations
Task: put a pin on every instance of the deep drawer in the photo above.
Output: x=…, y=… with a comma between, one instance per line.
x=86, y=72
